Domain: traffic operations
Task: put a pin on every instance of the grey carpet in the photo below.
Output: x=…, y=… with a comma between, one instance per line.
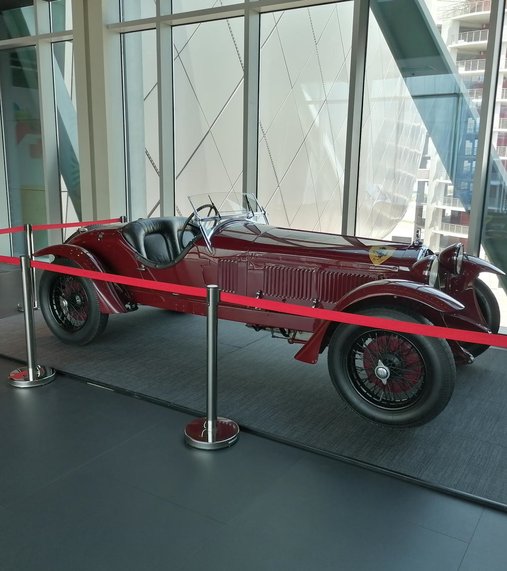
x=10, y=290
x=163, y=355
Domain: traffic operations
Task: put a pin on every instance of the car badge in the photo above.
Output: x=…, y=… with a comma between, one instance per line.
x=379, y=254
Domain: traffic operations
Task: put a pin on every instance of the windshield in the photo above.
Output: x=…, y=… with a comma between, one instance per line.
x=213, y=211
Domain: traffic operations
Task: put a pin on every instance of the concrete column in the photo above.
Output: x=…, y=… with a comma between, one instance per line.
x=99, y=109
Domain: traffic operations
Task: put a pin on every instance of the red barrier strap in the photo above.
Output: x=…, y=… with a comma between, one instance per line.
x=376, y=322
x=73, y=224
x=11, y=230
x=115, y=278
x=8, y=260
x=288, y=308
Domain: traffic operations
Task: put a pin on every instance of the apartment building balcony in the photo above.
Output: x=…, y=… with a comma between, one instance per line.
x=471, y=11
x=471, y=40
x=449, y=203
x=466, y=66
x=502, y=151
x=456, y=230
x=476, y=94
x=471, y=66
x=423, y=174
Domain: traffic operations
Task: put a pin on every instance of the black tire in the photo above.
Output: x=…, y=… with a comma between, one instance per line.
x=490, y=309
x=419, y=372
x=70, y=306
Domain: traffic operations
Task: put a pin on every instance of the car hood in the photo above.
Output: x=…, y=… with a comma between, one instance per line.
x=260, y=238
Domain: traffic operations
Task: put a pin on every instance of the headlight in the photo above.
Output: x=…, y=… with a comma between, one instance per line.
x=451, y=258
x=426, y=270
x=433, y=273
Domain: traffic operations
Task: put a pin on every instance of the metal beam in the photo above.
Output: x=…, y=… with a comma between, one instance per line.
x=166, y=118
x=482, y=164
x=217, y=13
x=355, y=114
x=251, y=101
x=48, y=112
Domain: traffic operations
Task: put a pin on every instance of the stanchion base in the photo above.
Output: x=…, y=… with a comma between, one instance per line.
x=225, y=434
x=20, y=377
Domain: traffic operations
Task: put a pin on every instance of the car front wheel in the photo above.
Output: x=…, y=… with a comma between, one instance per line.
x=70, y=307
x=388, y=377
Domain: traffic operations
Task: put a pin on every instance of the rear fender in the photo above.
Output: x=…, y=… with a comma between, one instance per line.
x=414, y=293
x=109, y=298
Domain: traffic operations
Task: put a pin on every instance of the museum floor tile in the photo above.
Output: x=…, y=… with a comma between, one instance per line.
x=95, y=480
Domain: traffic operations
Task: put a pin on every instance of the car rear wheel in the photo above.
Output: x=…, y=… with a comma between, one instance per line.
x=70, y=307
x=490, y=310
x=388, y=377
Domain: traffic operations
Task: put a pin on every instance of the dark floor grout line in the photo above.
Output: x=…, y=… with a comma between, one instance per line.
x=471, y=539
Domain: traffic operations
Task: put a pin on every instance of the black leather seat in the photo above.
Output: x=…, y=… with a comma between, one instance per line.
x=155, y=239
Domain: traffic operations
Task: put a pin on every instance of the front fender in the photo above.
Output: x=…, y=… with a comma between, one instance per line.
x=412, y=292
x=472, y=264
x=109, y=299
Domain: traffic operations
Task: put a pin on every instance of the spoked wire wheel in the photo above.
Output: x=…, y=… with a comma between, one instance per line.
x=70, y=306
x=386, y=369
x=389, y=377
x=69, y=303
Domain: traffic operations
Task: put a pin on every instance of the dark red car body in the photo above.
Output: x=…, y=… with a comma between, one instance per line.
x=312, y=269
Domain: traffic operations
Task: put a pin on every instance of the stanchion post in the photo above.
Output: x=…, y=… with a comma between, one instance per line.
x=32, y=375
x=30, y=251
x=212, y=432
x=213, y=294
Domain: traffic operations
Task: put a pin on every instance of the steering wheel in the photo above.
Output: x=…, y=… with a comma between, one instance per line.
x=190, y=224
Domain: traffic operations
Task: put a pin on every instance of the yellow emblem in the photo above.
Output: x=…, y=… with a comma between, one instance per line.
x=379, y=254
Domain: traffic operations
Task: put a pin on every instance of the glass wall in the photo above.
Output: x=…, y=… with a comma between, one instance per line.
x=17, y=22
x=208, y=122
x=40, y=165
x=19, y=87
x=134, y=10
x=304, y=83
x=186, y=6
x=61, y=15
x=494, y=228
x=141, y=114
x=67, y=140
x=392, y=142
x=420, y=127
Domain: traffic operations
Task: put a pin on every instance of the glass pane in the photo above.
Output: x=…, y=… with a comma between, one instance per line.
x=304, y=84
x=208, y=108
x=17, y=22
x=190, y=5
x=61, y=15
x=465, y=31
x=141, y=113
x=23, y=142
x=68, y=153
x=135, y=10
x=494, y=230
x=420, y=125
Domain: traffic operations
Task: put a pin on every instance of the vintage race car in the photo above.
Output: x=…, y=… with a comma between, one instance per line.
x=388, y=377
